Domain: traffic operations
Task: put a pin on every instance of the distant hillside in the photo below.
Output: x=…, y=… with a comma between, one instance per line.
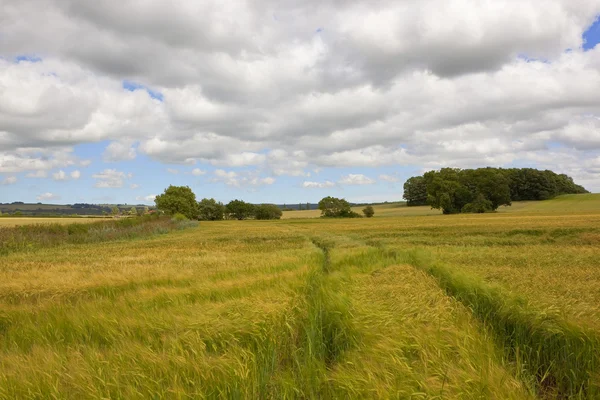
x=315, y=206
x=39, y=209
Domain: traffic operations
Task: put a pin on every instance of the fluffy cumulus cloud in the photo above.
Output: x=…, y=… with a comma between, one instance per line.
x=283, y=88
x=356, y=179
x=146, y=199
x=317, y=185
x=47, y=197
x=111, y=178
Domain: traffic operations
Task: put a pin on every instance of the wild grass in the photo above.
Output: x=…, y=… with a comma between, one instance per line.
x=16, y=221
x=27, y=237
x=498, y=306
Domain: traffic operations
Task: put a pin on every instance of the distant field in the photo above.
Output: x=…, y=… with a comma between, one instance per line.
x=490, y=306
x=14, y=221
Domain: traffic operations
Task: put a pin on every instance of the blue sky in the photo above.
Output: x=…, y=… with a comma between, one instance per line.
x=345, y=99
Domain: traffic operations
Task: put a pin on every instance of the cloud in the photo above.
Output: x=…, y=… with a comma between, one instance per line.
x=356, y=179
x=9, y=180
x=198, y=172
x=47, y=196
x=172, y=171
x=75, y=174
x=320, y=84
x=389, y=178
x=59, y=176
x=119, y=151
x=241, y=179
x=146, y=199
x=317, y=185
x=110, y=178
x=38, y=174
x=134, y=186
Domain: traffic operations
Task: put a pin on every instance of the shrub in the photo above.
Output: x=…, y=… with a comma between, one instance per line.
x=267, y=211
x=368, y=211
x=178, y=217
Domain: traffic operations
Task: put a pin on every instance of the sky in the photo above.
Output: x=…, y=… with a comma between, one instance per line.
x=288, y=102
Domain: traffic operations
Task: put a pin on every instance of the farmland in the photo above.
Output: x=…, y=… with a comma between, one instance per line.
x=15, y=221
x=409, y=304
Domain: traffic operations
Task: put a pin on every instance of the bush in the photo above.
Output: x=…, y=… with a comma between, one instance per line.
x=267, y=211
x=368, y=211
x=178, y=217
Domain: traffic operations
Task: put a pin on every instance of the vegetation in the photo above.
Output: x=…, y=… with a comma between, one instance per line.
x=178, y=199
x=332, y=207
x=210, y=210
x=34, y=236
x=481, y=190
x=240, y=210
x=368, y=211
x=267, y=211
x=497, y=306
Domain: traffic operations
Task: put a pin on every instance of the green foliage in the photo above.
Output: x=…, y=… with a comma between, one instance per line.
x=115, y=210
x=368, y=211
x=210, y=210
x=479, y=205
x=238, y=209
x=485, y=189
x=332, y=207
x=267, y=211
x=415, y=191
x=133, y=211
x=178, y=199
x=178, y=217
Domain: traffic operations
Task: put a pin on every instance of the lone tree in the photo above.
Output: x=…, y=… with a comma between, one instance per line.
x=368, y=211
x=267, y=211
x=115, y=210
x=178, y=199
x=333, y=207
x=238, y=209
x=133, y=211
x=210, y=210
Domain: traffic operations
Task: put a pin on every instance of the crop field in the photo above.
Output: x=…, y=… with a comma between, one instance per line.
x=17, y=221
x=409, y=305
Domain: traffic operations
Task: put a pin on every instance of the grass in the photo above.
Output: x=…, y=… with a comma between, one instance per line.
x=494, y=306
x=18, y=221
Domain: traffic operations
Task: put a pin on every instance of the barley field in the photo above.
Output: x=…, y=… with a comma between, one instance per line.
x=407, y=305
x=18, y=221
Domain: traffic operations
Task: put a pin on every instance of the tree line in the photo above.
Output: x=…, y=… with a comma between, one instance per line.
x=181, y=200
x=455, y=190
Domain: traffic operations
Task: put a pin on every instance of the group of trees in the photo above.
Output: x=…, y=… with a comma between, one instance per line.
x=332, y=207
x=181, y=199
x=481, y=190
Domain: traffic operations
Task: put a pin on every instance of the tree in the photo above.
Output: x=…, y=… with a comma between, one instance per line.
x=267, y=211
x=210, y=210
x=133, y=211
x=115, y=210
x=368, y=211
x=333, y=207
x=479, y=205
x=238, y=209
x=178, y=199
x=146, y=210
x=415, y=191
x=445, y=190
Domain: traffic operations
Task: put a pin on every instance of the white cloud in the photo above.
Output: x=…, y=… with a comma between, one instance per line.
x=172, y=171
x=241, y=179
x=59, y=176
x=119, y=151
x=111, y=178
x=38, y=174
x=146, y=199
x=426, y=84
x=356, y=179
x=389, y=178
x=75, y=174
x=318, y=185
x=134, y=186
x=48, y=196
x=9, y=180
x=198, y=172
